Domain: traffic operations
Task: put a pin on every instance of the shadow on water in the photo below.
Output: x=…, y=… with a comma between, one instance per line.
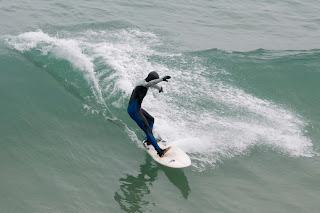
x=133, y=189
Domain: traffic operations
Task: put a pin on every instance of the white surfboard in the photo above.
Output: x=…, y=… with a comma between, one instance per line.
x=174, y=158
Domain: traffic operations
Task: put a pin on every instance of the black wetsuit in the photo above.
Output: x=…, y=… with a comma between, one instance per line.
x=139, y=115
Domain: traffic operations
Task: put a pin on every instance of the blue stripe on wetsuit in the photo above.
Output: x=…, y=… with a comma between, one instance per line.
x=133, y=112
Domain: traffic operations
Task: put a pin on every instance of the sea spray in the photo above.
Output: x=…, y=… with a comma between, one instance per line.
x=200, y=110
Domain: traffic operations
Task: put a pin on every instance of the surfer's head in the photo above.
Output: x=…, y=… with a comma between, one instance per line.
x=152, y=75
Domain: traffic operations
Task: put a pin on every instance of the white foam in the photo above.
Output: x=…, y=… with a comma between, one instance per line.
x=65, y=49
x=243, y=122
x=206, y=117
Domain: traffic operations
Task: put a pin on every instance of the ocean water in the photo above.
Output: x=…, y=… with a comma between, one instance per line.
x=243, y=102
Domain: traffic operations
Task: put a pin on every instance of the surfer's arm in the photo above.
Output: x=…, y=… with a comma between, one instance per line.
x=155, y=81
x=158, y=88
x=152, y=83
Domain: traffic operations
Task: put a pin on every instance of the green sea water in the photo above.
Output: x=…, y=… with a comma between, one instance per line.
x=243, y=103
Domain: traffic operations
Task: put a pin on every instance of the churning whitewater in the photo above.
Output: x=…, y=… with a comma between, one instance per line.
x=201, y=110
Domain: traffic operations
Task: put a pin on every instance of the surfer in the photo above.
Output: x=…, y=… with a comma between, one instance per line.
x=144, y=120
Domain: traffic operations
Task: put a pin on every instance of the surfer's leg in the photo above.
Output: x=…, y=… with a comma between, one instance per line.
x=144, y=125
x=149, y=118
x=151, y=138
x=142, y=122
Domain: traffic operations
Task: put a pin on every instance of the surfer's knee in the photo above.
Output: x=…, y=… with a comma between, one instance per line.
x=149, y=130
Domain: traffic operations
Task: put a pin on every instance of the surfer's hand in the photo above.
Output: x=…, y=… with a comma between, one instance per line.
x=161, y=90
x=165, y=78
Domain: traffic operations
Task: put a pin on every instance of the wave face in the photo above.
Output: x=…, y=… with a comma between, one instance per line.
x=207, y=108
